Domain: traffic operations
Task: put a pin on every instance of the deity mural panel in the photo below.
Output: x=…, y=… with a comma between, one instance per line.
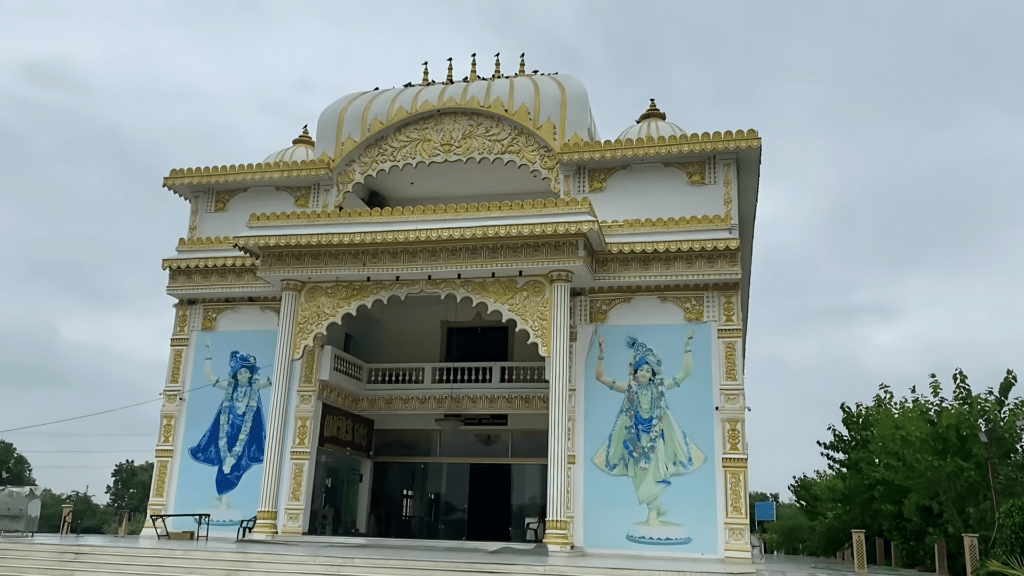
x=649, y=444
x=220, y=470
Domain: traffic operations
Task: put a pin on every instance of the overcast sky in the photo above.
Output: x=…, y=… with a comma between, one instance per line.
x=884, y=246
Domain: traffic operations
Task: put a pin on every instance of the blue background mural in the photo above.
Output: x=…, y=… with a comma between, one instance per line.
x=198, y=484
x=611, y=504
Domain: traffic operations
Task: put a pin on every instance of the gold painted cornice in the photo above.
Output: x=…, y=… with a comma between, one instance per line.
x=715, y=222
x=438, y=212
x=223, y=262
x=674, y=246
x=248, y=172
x=577, y=149
x=659, y=289
x=207, y=243
x=432, y=402
x=423, y=235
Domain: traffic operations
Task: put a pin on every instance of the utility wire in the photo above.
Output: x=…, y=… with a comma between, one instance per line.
x=98, y=413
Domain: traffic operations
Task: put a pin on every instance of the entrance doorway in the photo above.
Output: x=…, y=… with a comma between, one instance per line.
x=490, y=502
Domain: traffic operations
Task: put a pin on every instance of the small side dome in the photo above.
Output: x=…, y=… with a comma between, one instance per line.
x=652, y=123
x=301, y=149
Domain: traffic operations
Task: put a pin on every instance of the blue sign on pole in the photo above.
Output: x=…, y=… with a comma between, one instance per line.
x=764, y=511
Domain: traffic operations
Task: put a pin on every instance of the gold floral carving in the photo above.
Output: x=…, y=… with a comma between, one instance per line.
x=440, y=235
x=207, y=277
x=527, y=303
x=696, y=172
x=298, y=471
x=600, y=307
x=430, y=212
x=597, y=178
x=437, y=257
x=576, y=149
x=432, y=402
x=181, y=323
x=167, y=430
x=729, y=308
x=733, y=435
x=211, y=314
x=295, y=169
x=193, y=217
x=171, y=399
x=736, y=535
x=176, y=356
x=310, y=364
x=719, y=262
x=737, y=494
x=675, y=246
x=222, y=197
x=448, y=136
x=727, y=184
x=731, y=371
x=713, y=222
x=218, y=262
x=302, y=433
x=300, y=194
x=160, y=487
x=205, y=243
x=692, y=306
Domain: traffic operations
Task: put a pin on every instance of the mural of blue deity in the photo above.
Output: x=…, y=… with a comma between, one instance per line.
x=647, y=440
x=225, y=427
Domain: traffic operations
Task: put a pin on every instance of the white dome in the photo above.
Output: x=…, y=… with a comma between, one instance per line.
x=555, y=99
x=652, y=123
x=301, y=149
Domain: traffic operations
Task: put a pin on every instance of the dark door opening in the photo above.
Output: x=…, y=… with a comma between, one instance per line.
x=477, y=344
x=490, y=503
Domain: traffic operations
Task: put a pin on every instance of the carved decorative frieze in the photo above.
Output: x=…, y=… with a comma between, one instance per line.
x=674, y=246
x=692, y=306
x=432, y=402
x=450, y=136
x=527, y=303
x=167, y=430
x=696, y=172
x=214, y=277
x=181, y=322
x=160, y=485
x=600, y=307
x=177, y=354
x=666, y=263
x=222, y=197
x=731, y=361
x=597, y=178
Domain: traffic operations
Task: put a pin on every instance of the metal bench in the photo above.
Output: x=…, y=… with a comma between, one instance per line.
x=199, y=518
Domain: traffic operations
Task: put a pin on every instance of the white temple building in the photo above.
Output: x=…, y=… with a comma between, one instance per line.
x=454, y=313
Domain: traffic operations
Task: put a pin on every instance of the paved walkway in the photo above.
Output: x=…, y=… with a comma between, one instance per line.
x=774, y=565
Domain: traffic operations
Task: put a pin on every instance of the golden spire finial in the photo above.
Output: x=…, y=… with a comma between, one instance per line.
x=652, y=112
x=450, y=80
x=497, y=66
x=472, y=71
x=426, y=74
x=522, y=64
x=304, y=138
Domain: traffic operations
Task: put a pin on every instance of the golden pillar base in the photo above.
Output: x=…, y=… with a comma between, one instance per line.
x=556, y=536
x=266, y=522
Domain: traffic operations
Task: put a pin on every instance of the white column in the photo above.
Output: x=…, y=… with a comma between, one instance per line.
x=556, y=534
x=266, y=516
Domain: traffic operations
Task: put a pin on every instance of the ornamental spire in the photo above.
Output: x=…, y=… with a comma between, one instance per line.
x=472, y=71
x=497, y=66
x=522, y=64
x=426, y=74
x=449, y=80
x=651, y=112
x=304, y=138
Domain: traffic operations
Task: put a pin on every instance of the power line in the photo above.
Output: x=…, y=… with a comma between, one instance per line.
x=98, y=413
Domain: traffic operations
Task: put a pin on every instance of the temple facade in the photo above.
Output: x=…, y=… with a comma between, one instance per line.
x=458, y=314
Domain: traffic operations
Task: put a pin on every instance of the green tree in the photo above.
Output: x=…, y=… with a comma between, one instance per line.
x=15, y=469
x=914, y=470
x=130, y=488
x=789, y=532
x=88, y=517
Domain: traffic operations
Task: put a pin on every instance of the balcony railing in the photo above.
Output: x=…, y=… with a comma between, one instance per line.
x=438, y=374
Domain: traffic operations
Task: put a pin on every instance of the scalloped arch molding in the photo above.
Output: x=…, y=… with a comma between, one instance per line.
x=447, y=137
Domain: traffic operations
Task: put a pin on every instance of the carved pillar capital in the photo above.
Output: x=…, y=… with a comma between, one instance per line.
x=559, y=276
x=291, y=286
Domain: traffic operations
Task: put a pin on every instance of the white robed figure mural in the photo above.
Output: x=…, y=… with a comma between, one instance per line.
x=646, y=442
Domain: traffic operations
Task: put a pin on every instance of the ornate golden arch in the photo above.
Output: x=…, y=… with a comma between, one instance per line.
x=526, y=300
x=447, y=137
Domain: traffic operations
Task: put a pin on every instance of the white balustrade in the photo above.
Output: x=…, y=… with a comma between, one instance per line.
x=463, y=374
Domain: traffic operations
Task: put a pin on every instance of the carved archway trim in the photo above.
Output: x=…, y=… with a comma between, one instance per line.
x=448, y=137
x=525, y=300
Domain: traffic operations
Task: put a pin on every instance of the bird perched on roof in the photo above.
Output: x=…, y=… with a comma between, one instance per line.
x=407, y=85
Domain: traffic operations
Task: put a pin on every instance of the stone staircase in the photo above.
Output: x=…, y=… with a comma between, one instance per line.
x=81, y=557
